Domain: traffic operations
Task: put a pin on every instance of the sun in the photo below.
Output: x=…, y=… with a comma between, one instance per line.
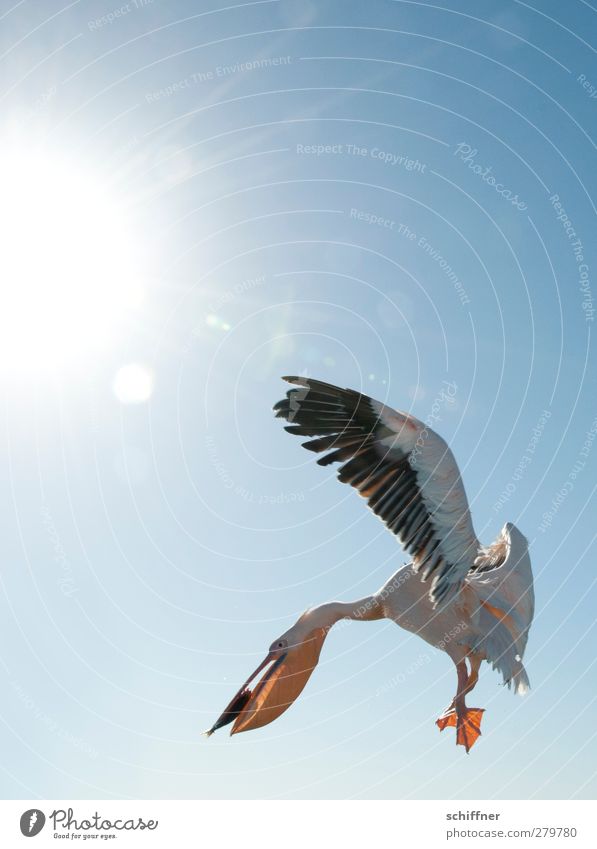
x=69, y=267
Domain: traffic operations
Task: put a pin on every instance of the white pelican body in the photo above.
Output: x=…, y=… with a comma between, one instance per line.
x=475, y=603
x=482, y=619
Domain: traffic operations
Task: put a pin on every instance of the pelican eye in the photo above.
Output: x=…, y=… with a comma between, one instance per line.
x=282, y=644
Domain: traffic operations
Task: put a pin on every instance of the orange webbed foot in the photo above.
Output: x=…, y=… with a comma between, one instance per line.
x=468, y=727
x=467, y=724
x=447, y=719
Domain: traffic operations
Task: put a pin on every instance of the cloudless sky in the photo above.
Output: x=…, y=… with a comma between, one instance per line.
x=152, y=551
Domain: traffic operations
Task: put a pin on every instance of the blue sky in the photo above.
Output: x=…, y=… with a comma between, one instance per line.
x=326, y=209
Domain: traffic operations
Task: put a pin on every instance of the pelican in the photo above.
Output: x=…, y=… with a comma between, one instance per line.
x=473, y=602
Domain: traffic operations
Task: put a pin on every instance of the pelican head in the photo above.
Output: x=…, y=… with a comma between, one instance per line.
x=281, y=678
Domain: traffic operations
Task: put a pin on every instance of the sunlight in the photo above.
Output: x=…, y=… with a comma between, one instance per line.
x=133, y=384
x=68, y=270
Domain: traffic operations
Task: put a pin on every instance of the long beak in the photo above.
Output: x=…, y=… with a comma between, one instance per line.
x=234, y=708
x=277, y=689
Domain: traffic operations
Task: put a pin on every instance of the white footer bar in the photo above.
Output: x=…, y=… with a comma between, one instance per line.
x=290, y=824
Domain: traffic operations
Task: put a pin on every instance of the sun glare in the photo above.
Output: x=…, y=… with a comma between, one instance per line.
x=68, y=270
x=133, y=384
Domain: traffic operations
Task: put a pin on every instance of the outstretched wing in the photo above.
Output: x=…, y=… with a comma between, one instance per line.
x=406, y=472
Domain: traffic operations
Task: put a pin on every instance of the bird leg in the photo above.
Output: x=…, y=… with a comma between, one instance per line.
x=467, y=721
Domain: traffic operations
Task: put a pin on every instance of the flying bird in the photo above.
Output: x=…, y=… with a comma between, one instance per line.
x=474, y=602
